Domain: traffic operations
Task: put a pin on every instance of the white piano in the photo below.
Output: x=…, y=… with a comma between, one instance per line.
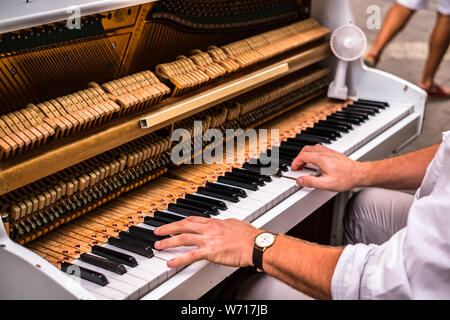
x=24, y=274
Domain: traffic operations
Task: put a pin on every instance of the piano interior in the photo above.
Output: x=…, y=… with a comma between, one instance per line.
x=86, y=118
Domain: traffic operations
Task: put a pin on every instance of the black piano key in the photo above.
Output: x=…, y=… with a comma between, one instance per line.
x=286, y=161
x=354, y=110
x=150, y=221
x=147, y=233
x=348, y=120
x=283, y=167
x=215, y=186
x=332, y=134
x=238, y=182
x=115, y=256
x=103, y=263
x=260, y=170
x=132, y=246
x=349, y=114
x=336, y=124
x=369, y=112
x=374, y=103
x=342, y=117
x=211, y=209
x=259, y=181
x=260, y=164
x=167, y=216
x=187, y=210
x=163, y=218
x=265, y=178
x=288, y=155
x=308, y=138
x=83, y=273
x=319, y=133
x=217, y=194
x=354, y=114
x=285, y=158
x=138, y=238
x=287, y=147
x=219, y=204
x=255, y=164
x=186, y=205
x=336, y=132
x=364, y=107
x=290, y=147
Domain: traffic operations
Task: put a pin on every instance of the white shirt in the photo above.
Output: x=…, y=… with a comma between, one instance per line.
x=415, y=262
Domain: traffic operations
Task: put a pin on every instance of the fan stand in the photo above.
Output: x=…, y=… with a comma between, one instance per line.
x=337, y=88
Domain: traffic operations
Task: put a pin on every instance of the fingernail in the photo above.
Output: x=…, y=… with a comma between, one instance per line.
x=157, y=244
x=170, y=263
x=300, y=181
x=157, y=230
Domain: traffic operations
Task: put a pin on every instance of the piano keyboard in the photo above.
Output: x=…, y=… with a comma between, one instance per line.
x=121, y=263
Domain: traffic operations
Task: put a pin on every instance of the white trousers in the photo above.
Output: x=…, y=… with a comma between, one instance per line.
x=372, y=216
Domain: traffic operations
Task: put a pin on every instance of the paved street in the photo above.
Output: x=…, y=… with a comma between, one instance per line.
x=405, y=58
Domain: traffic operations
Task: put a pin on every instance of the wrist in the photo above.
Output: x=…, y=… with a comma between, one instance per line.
x=361, y=174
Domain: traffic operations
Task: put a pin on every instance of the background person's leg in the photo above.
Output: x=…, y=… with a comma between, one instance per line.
x=374, y=215
x=395, y=20
x=438, y=45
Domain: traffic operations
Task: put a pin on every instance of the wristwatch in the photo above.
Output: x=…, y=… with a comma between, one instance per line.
x=262, y=241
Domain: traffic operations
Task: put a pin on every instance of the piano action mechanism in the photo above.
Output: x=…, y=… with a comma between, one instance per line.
x=87, y=114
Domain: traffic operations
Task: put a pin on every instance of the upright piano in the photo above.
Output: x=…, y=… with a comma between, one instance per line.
x=91, y=93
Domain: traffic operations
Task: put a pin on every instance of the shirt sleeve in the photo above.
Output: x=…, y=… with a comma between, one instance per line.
x=414, y=263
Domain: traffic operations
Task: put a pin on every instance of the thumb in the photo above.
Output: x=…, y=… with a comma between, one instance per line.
x=312, y=182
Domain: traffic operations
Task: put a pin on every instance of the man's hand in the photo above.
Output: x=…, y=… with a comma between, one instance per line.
x=338, y=172
x=229, y=242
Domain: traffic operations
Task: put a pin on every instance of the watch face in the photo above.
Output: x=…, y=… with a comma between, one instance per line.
x=265, y=240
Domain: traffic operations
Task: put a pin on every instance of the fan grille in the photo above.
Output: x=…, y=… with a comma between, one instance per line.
x=348, y=42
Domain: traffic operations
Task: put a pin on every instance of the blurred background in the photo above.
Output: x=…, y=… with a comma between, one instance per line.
x=405, y=57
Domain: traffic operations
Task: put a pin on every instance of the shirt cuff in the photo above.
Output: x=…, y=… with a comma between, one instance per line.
x=346, y=280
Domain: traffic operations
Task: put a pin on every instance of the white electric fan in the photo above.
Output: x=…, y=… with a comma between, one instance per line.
x=348, y=43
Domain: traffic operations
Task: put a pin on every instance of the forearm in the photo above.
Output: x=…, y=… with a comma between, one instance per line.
x=402, y=172
x=305, y=266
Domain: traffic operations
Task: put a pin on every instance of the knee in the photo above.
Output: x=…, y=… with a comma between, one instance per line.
x=359, y=213
x=360, y=205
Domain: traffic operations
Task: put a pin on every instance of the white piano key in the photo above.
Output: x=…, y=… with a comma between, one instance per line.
x=169, y=254
x=126, y=283
x=162, y=265
x=101, y=292
x=289, y=185
x=277, y=190
x=299, y=173
x=152, y=279
x=264, y=197
x=151, y=273
x=241, y=210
